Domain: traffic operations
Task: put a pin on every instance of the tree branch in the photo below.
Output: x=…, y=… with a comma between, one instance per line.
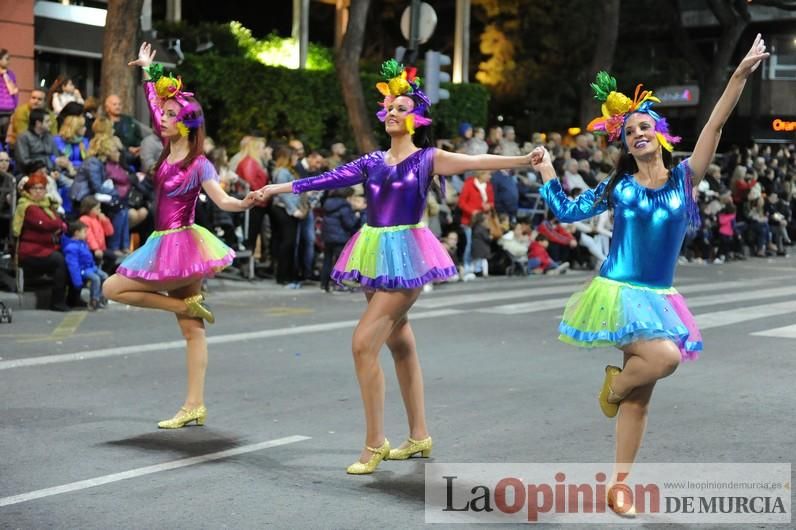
x=684, y=42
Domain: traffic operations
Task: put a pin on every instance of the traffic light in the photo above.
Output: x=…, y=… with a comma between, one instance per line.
x=435, y=76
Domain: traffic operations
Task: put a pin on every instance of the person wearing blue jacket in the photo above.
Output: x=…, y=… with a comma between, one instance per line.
x=81, y=265
x=340, y=221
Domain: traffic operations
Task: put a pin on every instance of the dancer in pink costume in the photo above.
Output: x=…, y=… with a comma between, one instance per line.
x=179, y=254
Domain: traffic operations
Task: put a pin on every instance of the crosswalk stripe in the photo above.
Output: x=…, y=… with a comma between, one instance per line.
x=742, y=314
x=696, y=301
x=786, y=332
x=433, y=302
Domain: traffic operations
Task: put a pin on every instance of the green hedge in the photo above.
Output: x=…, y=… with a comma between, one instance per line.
x=241, y=96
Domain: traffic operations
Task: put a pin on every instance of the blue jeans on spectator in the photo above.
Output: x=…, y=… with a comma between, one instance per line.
x=469, y=266
x=120, y=240
x=95, y=279
x=535, y=263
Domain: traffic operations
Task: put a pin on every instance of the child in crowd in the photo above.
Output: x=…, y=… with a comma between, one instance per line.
x=539, y=260
x=451, y=244
x=98, y=226
x=81, y=265
x=341, y=218
x=482, y=244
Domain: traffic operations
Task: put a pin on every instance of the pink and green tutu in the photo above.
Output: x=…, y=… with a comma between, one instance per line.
x=185, y=252
x=393, y=257
x=612, y=313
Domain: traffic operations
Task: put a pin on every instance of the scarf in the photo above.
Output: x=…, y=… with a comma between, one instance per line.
x=481, y=187
x=22, y=206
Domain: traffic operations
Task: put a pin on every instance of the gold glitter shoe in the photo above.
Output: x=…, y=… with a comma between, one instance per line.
x=415, y=446
x=197, y=309
x=609, y=402
x=185, y=416
x=379, y=454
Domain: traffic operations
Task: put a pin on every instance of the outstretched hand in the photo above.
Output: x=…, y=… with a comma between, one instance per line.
x=145, y=56
x=756, y=54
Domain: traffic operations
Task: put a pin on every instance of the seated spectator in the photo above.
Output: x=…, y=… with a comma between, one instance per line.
x=38, y=229
x=81, y=265
x=71, y=141
x=451, y=244
x=561, y=240
x=779, y=216
x=517, y=241
x=539, y=260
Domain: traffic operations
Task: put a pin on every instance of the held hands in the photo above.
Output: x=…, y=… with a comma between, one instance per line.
x=540, y=159
x=756, y=54
x=145, y=56
x=250, y=200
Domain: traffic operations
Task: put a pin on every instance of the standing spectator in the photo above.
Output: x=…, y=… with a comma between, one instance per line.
x=340, y=221
x=126, y=128
x=482, y=244
x=507, y=193
x=61, y=92
x=465, y=134
x=286, y=214
x=237, y=157
x=80, y=263
x=308, y=166
x=99, y=227
x=38, y=228
x=251, y=169
x=477, y=196
x=494, y=138
x=581, y=150
x=151, y=148
x=572, y=179
x=9, y=93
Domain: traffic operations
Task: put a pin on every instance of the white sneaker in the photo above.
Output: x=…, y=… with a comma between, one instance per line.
x=469, y=277
x=427, y=288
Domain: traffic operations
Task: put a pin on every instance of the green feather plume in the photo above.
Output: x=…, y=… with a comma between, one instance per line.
x=391, y=68
x=604, y=85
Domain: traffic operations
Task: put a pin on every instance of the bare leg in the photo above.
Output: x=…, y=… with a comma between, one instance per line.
x=144, y=293
x=648, y=361
x=385, y=309
x=193, y=329
x=410, y=377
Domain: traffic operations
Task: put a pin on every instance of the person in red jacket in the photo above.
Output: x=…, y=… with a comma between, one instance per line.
x=98, y=225
x=251, y=169
x=539, y=260
x=38, y=228
x=476, y=196
x=562, y=242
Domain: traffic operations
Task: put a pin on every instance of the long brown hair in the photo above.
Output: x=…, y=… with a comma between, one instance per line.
x=196, y=137
x=282, y=158
x=627, y=165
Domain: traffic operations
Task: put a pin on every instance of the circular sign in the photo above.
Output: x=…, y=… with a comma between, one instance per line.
x=428, y=21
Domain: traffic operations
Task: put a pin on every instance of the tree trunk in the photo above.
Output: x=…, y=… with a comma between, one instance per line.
x=348, y=73
x=603, y=58
x=119, y=46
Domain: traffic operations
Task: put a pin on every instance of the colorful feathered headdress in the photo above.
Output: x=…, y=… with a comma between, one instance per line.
x=403, y=81
x=617, y=107
x=170, y=87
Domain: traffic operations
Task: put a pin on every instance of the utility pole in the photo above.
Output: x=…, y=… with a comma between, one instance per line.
x=414, y=30
x=301, y=29
x=461, y=47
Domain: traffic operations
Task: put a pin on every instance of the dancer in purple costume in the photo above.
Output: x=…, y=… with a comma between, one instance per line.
x=394, y=255
x=631, y=304
x=179, y=254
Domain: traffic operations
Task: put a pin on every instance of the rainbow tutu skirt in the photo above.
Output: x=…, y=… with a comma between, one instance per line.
x=393, y=257
x=185, y=252
x=612, y=313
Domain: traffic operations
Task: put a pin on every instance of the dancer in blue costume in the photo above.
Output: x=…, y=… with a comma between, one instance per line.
x=632, y=304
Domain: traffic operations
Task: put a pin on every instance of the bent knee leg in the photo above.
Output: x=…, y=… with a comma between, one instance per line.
x=668, y=358
x=111, y=288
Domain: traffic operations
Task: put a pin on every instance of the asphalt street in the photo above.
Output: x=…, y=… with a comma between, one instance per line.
x=82, y=393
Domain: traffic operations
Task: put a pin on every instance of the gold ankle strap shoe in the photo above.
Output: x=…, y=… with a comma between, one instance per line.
x=197, y=309
x=185, y=416
x=379, y=454
x=412, y=448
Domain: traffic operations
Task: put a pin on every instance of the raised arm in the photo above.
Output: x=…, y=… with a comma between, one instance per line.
x=588, y=204
x=708, y=141
x=145, y=57
x=447, y=163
